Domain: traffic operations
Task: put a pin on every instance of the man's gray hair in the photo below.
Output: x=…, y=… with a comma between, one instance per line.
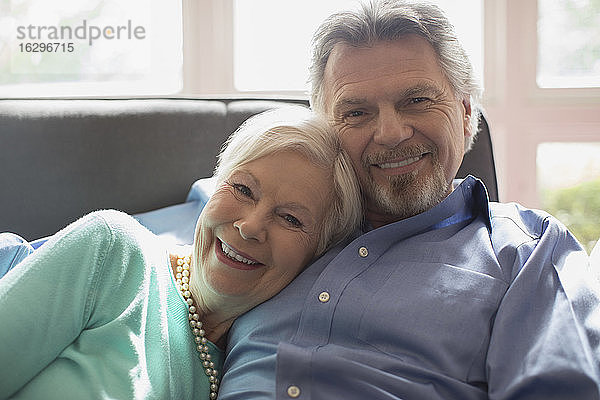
x=385, y=20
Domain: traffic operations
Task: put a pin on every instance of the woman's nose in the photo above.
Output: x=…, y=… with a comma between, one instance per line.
x=392, y=128
x=252, y=227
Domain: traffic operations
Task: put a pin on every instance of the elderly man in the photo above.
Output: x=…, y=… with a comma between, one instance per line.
x=443, y=295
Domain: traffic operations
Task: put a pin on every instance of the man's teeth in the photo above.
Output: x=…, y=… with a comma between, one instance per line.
x=399, y=163
x=229, y=252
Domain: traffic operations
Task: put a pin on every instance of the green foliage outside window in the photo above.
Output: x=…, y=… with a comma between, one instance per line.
x=578, y=207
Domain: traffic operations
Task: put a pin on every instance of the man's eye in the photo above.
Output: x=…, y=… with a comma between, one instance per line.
x=243, y=189
x=354, y=114
x=417, y=100
x=290, y=219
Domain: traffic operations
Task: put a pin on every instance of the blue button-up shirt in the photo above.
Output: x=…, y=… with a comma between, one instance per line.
x=469, y=300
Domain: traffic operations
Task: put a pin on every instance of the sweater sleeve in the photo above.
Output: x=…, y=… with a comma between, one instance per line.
x=46, y=301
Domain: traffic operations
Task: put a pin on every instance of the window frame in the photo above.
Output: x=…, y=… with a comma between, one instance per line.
x=521, y=114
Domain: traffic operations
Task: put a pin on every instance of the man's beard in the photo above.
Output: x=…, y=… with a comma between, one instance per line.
x=408, y=194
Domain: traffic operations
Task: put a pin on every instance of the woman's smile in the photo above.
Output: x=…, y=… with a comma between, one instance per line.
x=234, y=258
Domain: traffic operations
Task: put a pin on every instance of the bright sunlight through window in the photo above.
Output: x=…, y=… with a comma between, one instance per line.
x=89, y=47
x=272, y=39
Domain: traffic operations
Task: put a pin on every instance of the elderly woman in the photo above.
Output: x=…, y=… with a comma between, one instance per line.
x=106, y=310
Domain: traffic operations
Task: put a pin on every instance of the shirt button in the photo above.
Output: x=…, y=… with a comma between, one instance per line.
x=363, y=252
x=293, y=391
x=324, y=297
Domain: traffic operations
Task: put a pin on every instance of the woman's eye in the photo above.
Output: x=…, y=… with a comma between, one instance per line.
x=243, y=189
x=290, y=219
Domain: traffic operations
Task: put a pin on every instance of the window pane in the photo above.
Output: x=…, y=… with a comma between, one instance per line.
x=272, y=38
x=568, y=43
x=569, y=186
x=89, y=47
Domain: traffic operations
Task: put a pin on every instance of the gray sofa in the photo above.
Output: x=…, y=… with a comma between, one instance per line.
x=60, y=159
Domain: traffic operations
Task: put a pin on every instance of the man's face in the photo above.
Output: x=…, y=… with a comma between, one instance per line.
x=400, y=121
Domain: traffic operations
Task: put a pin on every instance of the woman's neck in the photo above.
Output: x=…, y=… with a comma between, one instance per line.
x=214, y=322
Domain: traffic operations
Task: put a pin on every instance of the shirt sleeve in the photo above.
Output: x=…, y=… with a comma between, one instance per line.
x=544, y=342
x=45, y=301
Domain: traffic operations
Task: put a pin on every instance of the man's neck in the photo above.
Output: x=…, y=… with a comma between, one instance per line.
x=377, y=218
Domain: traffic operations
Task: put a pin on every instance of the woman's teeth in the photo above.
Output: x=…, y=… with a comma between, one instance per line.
x=229, y=252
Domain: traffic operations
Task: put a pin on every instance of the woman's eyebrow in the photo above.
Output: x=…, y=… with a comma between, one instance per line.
x=301, y=209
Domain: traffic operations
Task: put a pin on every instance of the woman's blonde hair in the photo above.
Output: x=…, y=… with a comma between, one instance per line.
x=296, y=128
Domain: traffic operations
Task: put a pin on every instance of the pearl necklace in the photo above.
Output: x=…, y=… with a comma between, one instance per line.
x=182, y=279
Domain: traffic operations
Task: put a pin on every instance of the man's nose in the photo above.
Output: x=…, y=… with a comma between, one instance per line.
x=392, y=128
x=252, y=226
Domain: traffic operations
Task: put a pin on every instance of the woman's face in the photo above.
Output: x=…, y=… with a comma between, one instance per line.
x=261, y=227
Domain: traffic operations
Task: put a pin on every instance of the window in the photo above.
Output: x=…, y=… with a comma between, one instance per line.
x=272, y=39
x=569, y=186
x=569, y=43
x=89, y=47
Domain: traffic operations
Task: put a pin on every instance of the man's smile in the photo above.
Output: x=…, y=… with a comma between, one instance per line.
x=398, y=164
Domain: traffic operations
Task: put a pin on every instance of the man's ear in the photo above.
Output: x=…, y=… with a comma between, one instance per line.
x=467, y=126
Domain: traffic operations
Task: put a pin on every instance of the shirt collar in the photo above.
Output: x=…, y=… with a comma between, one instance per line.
x=468, y=200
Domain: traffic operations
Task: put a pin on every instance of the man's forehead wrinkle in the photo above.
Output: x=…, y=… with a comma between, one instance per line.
x=345, y=93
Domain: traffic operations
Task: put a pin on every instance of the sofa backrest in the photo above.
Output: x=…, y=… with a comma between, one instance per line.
x=60, y=159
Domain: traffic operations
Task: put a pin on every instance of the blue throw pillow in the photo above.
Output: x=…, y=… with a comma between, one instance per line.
x=13, y=249
x=177, y=223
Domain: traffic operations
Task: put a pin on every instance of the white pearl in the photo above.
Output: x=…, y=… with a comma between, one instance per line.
x=182, y=279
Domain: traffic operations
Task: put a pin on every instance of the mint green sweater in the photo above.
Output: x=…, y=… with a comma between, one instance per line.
x=95, y=314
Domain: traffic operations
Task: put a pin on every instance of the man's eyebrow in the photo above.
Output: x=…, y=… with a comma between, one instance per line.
x=348, y=103
x=421, y=89
x=411, y=91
